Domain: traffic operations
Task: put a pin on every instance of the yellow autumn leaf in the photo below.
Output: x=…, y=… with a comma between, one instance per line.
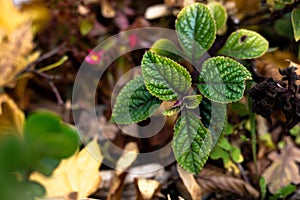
x=12, y=18
x=11, y=117
x=77, y=175
x=15, y=53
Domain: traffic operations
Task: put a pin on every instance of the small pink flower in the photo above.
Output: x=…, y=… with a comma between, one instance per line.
x=94, y=57
x=132, y=40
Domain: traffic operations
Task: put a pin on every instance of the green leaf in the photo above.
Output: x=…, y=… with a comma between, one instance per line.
x=48, y=137
x=285, y=1
x=224, y=144
x=219, y=14
x=164, y=78
x=167, y=48
x=236, y=155
x=85, y=26
x=196, y=30
x=214, y=117
x=219, y=153
x=134, y=103
x=222, y=79
x=245, y=44
x=191, y=142
x=193, y=101
x=296, y=23
x=263, y=187
x=172, y=110
x=284, y=192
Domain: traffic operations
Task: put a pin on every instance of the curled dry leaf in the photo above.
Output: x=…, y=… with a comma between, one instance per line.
x=11, y=117
x=211, y=180
x=190, y=183
x=146, y=189
x=77, y=176
x=283, y=169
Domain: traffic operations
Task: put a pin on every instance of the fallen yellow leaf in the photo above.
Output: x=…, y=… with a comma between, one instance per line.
x=11, y=117
x=77, y=175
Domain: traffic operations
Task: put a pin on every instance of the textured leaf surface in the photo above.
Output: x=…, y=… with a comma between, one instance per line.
x=245, y=44
x=191, y=142
x=193, y=101
x=196, y=29
x=219, y=14
x=222, y=79
x=134, y=103
x=214, y=117
x=164, y=78
x=296, y=23
x=172, y=110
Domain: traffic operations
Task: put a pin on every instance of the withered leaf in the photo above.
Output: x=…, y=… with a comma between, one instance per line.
x=146, y=188
x=211, y=180
x=190, y=183
x=15, y=53
x=11, y=117
x=283, y=169
x=283, y=96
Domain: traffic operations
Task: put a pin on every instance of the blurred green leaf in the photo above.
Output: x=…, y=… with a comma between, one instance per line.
x=284, y=192
x=47, y=136
x=285, y=1
x=263, y=188
x=85, y=26
x=296, y=23
x=219, y=14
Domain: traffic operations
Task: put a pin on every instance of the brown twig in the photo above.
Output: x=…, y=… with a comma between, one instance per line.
x=50, y=78
x=272, y=18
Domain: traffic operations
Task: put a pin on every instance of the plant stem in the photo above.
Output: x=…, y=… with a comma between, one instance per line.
x=252, y=130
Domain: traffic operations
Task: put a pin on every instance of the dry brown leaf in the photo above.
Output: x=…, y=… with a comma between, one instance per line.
x=269, y=63
x=157, y=11
x=107, y=10
x=283, y=169
x=15, y=53
x=190, y=183
x=146, y=189
x=211, y=180
x=243, y=8
x=77, y=175
x=11, y=117
x=129, y=155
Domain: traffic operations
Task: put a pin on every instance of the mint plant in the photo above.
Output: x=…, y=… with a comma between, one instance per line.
x=220, y=80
